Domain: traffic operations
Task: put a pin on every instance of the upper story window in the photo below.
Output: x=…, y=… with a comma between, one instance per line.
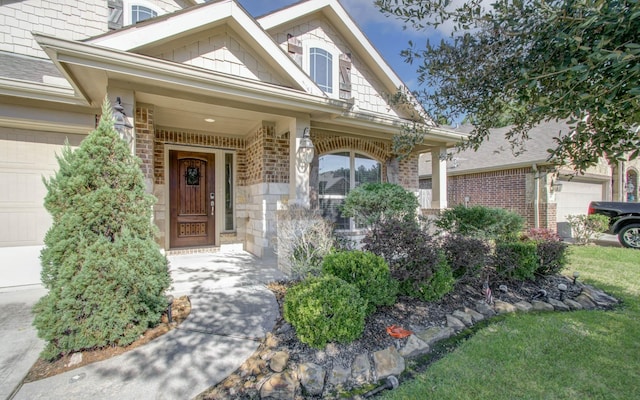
x=321, y=68
x=140, y=13
x=338, y=174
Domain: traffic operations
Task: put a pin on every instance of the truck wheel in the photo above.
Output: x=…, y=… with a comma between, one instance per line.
x=629, y=236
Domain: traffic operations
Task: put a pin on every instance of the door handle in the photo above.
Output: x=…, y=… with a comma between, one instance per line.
x=212, y=196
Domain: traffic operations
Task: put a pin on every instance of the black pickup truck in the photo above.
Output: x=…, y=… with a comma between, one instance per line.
x=624, y=220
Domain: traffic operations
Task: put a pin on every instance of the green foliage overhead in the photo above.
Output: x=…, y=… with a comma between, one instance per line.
x=368, y=272
x=325, y=309
x=534, y=61
x=372, y=202
x=481, y=222
x=104, y=273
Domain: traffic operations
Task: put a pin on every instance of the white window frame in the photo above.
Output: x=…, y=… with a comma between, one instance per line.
x=335, y=66
x=352, y=179
x=127, y=6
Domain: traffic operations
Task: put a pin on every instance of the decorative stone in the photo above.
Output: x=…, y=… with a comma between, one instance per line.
x=502, y=307
x=339, y=375
x=388, y=362
x=558, y=305
x=361, y=369
x=599, y=297
x=414, y=347
x=75, y=359
x=271, y=341
x=280, y=386
x=279, y=361
x=464, y=317
x=476, y=316
x=585, y=302
x=541, y=306
x=311, y=377
x=485, y=309
x=252, y=366
x=573, y=305
x=455, y=323
x=523, y=306
x=435, y=334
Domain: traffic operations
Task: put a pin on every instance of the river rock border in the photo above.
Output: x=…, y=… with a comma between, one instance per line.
x=269, y=375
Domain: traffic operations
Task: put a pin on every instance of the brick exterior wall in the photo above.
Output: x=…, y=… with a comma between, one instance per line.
x=511, y=189
x=145, y=140
x=267, y=159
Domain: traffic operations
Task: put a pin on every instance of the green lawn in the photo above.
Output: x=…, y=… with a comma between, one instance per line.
x=570, y=355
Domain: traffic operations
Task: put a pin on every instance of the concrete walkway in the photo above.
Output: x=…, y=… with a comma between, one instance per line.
x=231, y=311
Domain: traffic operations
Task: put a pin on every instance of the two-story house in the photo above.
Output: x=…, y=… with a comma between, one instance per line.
x=221, y=107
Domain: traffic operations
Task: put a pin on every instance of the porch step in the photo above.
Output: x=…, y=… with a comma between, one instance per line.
x=192, y=250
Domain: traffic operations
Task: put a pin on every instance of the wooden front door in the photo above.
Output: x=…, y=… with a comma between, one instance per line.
x=192, y=195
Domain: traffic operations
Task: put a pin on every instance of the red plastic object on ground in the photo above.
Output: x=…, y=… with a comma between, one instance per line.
x=398, y=332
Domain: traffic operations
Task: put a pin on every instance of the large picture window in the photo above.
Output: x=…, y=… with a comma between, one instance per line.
x=338, y=173
x=321, y=68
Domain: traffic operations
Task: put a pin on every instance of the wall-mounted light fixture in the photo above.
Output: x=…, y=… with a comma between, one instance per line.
x=120, y=122
x=306, y=150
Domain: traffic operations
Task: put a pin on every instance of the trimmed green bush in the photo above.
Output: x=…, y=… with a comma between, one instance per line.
x=325, y=309
x=104, y=272
x=439, y=284
x=516, y=260
x=551, y=251
x=481, y=222
x=368, y=272
x=372, y=202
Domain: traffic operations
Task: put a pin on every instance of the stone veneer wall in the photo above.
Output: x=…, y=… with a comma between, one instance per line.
x=262, y=175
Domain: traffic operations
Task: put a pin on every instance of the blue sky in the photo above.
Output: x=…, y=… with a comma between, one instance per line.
x=386, y=34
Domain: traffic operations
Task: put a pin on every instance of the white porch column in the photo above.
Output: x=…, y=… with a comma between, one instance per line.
x=439, y=178
x=299, y=171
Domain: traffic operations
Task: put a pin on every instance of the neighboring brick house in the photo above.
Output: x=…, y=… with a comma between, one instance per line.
x=219, y=103
x=543, y=193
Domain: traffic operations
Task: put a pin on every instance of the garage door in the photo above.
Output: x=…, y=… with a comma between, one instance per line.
x=25, y=157
x=574, y=198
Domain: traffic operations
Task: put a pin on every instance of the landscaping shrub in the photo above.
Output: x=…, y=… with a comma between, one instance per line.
x=372, y=202
x=481, y=222
x=550, y=249
x=304, y=238
x=413, y=256
x=585, y=227
x=368, y=272
x=465, y=255
x=516, y=260
x=440, y=283
x=104, y=272
x=325, y=309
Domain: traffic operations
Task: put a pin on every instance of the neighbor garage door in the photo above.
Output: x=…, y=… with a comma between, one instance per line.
x=574, y=198
x=25, y=158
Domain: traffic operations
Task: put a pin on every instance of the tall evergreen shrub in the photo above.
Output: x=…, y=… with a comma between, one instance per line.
x=104, y=273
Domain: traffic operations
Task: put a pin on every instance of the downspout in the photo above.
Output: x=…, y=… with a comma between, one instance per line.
x=536, y=196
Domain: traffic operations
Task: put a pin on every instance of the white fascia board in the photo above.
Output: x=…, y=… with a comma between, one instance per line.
x=180, y=23
x=40, y=91
x=163, y=28
x=339, y=15
x=186, y=76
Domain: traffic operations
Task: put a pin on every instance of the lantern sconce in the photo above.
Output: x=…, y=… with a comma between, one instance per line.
x=306, y=150
x=120, y=122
